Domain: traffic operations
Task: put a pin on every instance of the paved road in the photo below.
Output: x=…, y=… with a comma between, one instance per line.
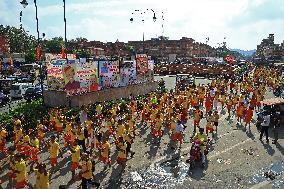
x=229, y=164
x=171, y=81
x=15, y=103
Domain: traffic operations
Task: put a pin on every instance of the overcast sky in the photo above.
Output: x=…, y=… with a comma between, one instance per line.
x=244, y=23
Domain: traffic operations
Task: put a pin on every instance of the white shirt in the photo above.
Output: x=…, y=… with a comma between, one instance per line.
x=266, y=121
x=83, y=116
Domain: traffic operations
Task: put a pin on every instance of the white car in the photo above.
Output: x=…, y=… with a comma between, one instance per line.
x=19, y=89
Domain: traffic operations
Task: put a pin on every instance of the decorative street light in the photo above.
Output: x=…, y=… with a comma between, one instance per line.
x=143, y=20
x=24, y=3
x=65, y=31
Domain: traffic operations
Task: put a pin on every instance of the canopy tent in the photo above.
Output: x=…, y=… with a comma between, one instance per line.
x=273, y=101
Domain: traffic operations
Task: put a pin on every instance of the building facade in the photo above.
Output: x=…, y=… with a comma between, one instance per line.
x=268, y=49
x=160, y=47
x=163, y=47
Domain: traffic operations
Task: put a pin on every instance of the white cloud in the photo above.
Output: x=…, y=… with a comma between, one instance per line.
x=108, y=20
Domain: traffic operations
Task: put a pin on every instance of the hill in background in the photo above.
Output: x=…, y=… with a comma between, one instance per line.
x=244, y=52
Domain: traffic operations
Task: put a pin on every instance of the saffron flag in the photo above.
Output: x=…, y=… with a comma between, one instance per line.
x=230, y=59
x=38, y=53
x=63, y=53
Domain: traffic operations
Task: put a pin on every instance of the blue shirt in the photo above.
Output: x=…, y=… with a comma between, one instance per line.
x=179, y=128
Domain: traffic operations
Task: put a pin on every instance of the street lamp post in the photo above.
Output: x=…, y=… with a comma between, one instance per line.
x=25, y=3
x=65, y=31
x=207, y=40
x=21, y=14
x=38, y=46
x=65, y=44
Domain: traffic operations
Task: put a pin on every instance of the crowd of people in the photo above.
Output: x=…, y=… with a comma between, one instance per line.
x=89, y=136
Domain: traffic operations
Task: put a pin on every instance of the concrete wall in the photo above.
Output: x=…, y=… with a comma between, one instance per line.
x=55, y=98
x=59, y=98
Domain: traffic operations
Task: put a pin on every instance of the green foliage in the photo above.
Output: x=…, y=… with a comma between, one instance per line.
x=54, y=45
x=30, y=56
x=20, y=42
x=82, y=53
x=29, y=112
x=71, y=112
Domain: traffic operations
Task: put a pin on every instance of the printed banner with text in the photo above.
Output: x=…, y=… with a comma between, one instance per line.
x=80, y=78
x=127, y=73
x=109, y=74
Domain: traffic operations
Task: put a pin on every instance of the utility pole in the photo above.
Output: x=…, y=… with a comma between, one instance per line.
x=65, y=32
x=38, y=49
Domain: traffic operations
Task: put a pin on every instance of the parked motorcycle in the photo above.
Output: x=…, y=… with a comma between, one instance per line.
x=195, y=155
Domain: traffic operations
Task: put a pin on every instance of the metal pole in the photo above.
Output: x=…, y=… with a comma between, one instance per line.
x=143, y=43
x=65, y=44
x=38, y=45
x=36, y=23
x=21, y=14
x=65, y=32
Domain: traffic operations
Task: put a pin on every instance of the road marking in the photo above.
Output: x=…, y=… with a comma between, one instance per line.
x=260, y=185
x=217, y=153
x=228, y=149
x=227, y=133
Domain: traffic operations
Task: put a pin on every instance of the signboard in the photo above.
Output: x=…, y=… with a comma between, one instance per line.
x=150, y=73
x=142, y=67
x=49, y=57
x=54, y=62
x=127, y=73
x=87, y=74
x=73, y=77
x=151, y=65
x=80, y=78
x=109, y=74
x=55, y=80
x=141, y=63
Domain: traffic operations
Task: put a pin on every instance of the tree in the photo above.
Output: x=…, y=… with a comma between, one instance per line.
x=20, y=42
x=82, y=53
x=130, y=49
x=31, y=56
x=54, y=45
x=81, y=40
